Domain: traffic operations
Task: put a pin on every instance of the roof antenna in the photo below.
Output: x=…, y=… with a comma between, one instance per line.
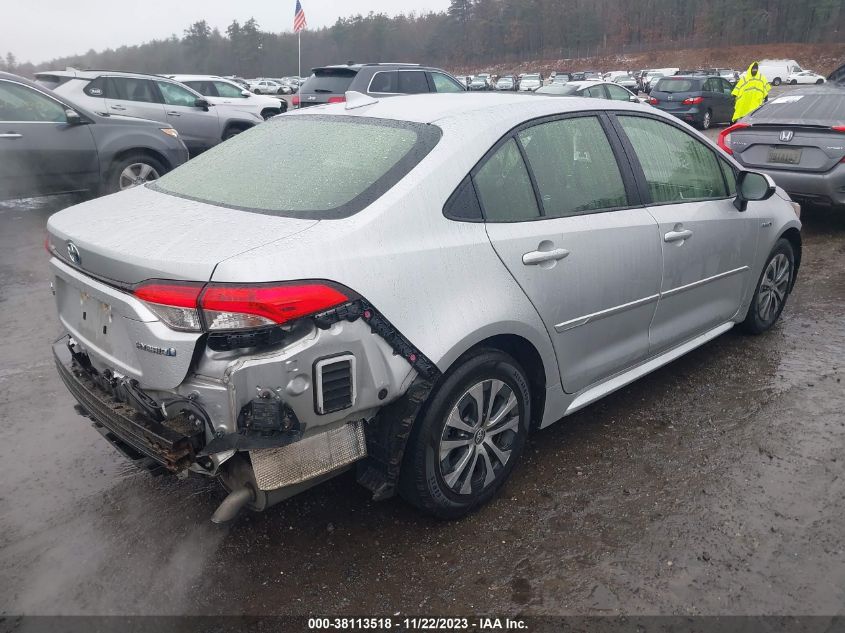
x=350, y=63
x=357, y=100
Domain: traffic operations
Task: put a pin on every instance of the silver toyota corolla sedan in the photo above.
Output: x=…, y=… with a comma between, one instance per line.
x=424, y=281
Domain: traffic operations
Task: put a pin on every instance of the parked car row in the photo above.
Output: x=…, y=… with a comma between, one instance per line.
x=50, y=144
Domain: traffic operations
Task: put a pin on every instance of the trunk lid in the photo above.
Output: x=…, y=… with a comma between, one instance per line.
x=792, y=147
x=146, y=234
x=141, y=234
x=670, y=93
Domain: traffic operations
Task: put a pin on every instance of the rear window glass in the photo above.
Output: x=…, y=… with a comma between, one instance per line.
x=819, y=106
x=329, y=80
x=678, y=85
x=50, y=81
x=341, y=165
x=558, y=89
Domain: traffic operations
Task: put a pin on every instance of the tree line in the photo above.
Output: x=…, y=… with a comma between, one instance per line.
x=474, y=33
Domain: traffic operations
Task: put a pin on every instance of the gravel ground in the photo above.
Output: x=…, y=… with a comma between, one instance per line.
x=713, y=486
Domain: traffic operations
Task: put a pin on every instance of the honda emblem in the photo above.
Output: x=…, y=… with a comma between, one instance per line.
x=786, y=135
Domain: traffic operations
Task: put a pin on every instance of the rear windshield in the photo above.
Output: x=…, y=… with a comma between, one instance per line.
x=50, y=81
x=334, y=80
x=533, y=77
x=822, y=106
x=557, y=89
x=678, y=85
x=340, y=165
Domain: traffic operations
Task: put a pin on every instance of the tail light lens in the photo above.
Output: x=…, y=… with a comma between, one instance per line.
x=693, y=100
x=231, y=307
x=653, y=101
x=838, y=128
x=295, y=101
x=338, y=99
x=725, y=136
x=173, y=302
x=226, y=307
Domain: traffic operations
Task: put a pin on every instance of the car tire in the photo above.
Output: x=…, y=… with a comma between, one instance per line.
x=772, y=289
x=819, y=81
x=269, y=113
x=465, y=445
x=141, y=168
x=707, y=120
x=793, y=82
x=776, y=81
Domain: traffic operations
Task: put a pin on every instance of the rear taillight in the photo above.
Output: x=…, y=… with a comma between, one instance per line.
x=295, y=101
x=653, y=101
x=173, y=302
x=838, y=128
x=339, y=99
x=693, y=100
x=226, y=307
x=233, y=307
x=725, y=136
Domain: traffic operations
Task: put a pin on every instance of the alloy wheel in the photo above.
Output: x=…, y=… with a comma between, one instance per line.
x=705, y=123
x=479, y=436
x=773, y=288
x=137, y=174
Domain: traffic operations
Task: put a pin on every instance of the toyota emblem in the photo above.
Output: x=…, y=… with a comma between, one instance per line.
x=73, y=253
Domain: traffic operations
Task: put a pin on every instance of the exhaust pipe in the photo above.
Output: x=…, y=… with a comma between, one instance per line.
x=233, y=504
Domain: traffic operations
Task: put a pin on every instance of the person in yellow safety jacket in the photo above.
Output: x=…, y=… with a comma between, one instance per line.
x=750, y=91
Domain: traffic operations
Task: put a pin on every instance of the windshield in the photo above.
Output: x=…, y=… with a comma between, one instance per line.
x=531, y=78
x=557, y=89
x=341, y=165
x=677, y=85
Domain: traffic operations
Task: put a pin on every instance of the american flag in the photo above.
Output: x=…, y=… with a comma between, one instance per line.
x=299, y=18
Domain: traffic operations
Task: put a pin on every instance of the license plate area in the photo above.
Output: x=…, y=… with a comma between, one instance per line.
x=94, y=317
x=784, y=155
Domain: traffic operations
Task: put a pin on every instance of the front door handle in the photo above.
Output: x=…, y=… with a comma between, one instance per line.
x=11, y=135
x=174, y=113
x=118, y=107
x=677, y=236
x=538, y=257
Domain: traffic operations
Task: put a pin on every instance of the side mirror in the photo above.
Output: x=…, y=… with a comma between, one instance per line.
x=246, y=93
x=73, y=117
x=202, y=103
x=634, y=99
x=752, y=186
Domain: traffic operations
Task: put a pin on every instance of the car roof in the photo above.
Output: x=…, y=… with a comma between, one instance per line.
x=354, y=66
x=470, y=109
x=94, y=73
x=197, y=78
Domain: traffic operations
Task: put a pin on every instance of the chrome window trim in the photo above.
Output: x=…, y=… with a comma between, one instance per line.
x=601, y=314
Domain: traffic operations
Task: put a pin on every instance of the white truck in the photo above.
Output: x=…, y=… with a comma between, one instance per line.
x=777, y=70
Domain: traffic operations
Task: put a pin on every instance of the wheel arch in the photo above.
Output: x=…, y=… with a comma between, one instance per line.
x=108, y=168
x=236, y=124
x=793, y=236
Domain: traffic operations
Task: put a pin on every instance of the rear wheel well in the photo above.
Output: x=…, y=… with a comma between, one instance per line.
x=235, y=126
x=793, y=235
x=529, y=358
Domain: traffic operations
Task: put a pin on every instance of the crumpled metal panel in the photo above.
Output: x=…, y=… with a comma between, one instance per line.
x=309, y=458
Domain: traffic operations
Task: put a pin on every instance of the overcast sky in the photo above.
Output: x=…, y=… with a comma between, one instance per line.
x=40, y=30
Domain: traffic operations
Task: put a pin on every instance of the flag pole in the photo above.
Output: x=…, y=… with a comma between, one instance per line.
x=299, y=46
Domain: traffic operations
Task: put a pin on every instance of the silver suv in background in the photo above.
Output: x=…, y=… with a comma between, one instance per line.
x=200, y=123
x=220, y=91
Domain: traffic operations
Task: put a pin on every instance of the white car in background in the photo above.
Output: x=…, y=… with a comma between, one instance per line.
x=805, y=77
x=220, y=91
x=265, y=86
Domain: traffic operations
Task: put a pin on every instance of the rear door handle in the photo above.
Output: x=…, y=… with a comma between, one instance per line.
x=538, y=257
x=677, y=236
x=173, y=113
x=118, y=107
x=11, y=135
